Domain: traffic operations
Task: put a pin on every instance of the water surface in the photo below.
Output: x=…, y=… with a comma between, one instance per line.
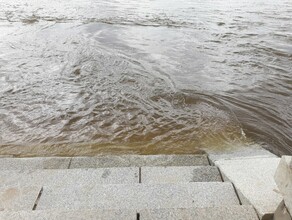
x=94, y=76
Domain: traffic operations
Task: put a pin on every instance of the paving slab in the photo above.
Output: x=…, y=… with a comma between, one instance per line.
x=138, y=196
x=173, y=174
x=210, y=213
x=244, y=152
x=254, y=182
x=18, y=198
x=34, y=163
x=283, y=178
x=70, y=215
x=56, y=177
x=139, y=161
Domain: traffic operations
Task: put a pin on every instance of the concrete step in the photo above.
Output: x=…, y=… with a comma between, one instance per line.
x=210, y=213
x=70, y=215
x=18, y=197
x=105, y=161
x=138, y=196
x=56, y=177
x=151, y=175
x=139, y=161
x=114, y=175
x=34, y=163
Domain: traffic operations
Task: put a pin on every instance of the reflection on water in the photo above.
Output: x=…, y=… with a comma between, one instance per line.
x=83, y=77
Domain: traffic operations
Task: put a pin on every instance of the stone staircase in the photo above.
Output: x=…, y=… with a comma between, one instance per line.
x=117, y=187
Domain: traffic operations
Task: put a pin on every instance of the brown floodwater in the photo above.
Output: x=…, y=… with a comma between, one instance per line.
x=146, y=77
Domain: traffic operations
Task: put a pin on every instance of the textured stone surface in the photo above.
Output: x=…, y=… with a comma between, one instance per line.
x=283, y=178
x=281, y=212
x=56, y=177
x=179, y=174
x=240, y=153
x=210, y=213
x=18, y=198
x=254, y=180
x=70, y=215
x=139, y=161
x=138, y=196
x=34, y=163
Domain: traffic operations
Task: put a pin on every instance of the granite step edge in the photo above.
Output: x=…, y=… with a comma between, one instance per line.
x=209, y=213
x=139, y=196
x=104, y=161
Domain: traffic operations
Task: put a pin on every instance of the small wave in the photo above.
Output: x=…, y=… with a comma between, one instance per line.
x=155, y=21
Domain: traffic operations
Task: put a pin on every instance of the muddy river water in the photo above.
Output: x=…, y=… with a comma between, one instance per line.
x=82, y=77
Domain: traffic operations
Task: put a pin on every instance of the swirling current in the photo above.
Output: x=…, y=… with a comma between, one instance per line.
x=146, y=77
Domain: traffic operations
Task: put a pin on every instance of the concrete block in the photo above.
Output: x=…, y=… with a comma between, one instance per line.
x=56, y=177
x=138, y=196
x=253, y=178
x=69, y=215
x=281, y=212
x=139, y=161
x=34, y=163
x=283, y=178
x=210, y=213
x=152, y=175
x=18, y=198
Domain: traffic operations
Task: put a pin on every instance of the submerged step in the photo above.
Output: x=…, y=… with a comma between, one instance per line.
x=173, y=174
x=210, y=213
x=104, y=161
x=34, y=163
x=139, y=161
x=138, y=196
x=70, y=215
x=69, y=177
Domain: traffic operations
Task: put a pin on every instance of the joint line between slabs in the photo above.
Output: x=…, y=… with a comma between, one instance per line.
x=236, y=193
x=140, y=175
x=70, y=162
x=37, y=199
x=221, y=176
x=209, y=161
